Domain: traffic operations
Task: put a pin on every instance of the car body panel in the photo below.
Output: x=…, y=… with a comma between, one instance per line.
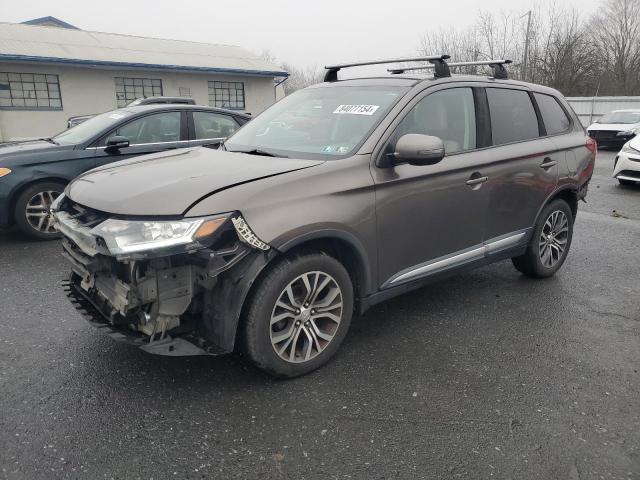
x=185, y=176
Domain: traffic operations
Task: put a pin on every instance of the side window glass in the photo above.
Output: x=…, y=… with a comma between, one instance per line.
x=553, y=115
x=156, y=128
x=213, y=125
x=513, y=117
x=447, y=114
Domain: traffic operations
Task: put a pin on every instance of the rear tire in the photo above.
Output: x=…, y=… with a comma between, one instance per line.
x=550, y=242
x=32, y=211
x=292, y=328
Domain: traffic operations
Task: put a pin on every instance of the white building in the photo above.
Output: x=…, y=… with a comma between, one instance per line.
x=50, y=73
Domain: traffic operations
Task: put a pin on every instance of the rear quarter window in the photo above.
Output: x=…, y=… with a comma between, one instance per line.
x=513, y=118
x=553, y=115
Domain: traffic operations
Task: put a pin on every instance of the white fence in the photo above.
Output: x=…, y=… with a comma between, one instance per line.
x=589, y=109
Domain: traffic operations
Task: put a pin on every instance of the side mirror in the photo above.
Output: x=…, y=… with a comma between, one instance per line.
x=417, y=149
x=117, y=142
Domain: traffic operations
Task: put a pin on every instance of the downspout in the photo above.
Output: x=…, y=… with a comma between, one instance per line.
x=275, y=89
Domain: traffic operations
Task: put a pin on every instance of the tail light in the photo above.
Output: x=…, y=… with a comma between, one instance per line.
x=592, y=146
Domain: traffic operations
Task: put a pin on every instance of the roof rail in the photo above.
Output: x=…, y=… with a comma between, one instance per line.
x=497, y=65
x=438, y=61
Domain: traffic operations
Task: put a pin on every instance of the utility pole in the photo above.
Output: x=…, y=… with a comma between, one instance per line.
x=526, y=47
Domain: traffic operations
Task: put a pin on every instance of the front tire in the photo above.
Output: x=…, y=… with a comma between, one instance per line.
x=32, y=211
x=298, y=315
x=550, y=242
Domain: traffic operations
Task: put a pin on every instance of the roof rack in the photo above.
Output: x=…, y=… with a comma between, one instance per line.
x=438, y=62
x=497, y=65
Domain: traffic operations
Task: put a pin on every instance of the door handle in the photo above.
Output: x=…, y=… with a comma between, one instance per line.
x=476, y=181
x=547, y=163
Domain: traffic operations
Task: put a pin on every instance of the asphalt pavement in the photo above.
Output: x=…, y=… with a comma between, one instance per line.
x=484, y=375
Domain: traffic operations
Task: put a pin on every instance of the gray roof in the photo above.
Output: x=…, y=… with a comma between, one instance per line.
x=19, y=42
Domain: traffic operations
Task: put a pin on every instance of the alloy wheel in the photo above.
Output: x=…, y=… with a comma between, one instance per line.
x=306, y=317
x=553, y=239
x=38, y=211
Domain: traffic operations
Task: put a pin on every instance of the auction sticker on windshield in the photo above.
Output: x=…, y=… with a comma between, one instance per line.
x=357, y=109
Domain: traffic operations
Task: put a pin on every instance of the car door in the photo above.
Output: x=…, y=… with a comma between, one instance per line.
x=210, y=128
x=147, y=133
x=524, y=171
x=432, y=218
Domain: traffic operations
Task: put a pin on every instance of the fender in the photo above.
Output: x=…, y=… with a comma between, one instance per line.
x=362, y=258
x=567, y=187
x=223, y=305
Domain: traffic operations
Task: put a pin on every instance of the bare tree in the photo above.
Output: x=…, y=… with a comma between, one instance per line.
x=300, y=77
x=617, y=37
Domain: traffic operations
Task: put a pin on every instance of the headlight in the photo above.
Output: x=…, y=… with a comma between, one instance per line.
x=4, y=171
x=627, y=148
x=124, y=237
x=627, y=133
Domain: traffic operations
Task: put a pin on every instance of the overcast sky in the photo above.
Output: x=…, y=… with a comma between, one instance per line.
x=301, y=32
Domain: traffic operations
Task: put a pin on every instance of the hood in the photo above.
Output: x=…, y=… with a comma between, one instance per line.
x=22, y=151
x=168, y=184
x=618, y=127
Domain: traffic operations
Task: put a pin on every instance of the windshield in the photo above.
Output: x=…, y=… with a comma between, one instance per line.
x=621, y=117
x=325, y=122
x=90, y=128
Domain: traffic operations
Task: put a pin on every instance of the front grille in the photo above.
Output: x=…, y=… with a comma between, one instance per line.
x=87, y=217
x=604, y=134
x=630, y=173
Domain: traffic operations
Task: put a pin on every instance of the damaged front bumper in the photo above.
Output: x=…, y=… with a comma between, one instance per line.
x=177, y=304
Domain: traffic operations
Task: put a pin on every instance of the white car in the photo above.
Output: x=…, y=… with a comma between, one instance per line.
x=615, y=128
x=627, y=164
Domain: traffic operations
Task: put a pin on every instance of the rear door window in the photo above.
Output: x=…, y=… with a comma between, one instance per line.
x=513, y=118
x=553, y=115
x=209, y=125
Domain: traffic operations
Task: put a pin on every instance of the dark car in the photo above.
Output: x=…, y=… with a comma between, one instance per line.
x=33, y=173
x=78, y=119
x=338, y=197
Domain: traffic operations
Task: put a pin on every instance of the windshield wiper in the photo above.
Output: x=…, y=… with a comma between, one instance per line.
x=49, y=139
x=257, y=151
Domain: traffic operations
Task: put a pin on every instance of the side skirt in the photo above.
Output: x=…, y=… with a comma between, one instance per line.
x=495, y=250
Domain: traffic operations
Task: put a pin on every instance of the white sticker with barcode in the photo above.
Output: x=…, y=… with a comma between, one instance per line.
x=357, y=109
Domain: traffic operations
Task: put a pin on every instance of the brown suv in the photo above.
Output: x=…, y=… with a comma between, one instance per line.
x=338, y=197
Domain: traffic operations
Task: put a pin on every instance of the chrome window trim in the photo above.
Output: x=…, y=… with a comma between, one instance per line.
x=141, y=144
x=477, y=252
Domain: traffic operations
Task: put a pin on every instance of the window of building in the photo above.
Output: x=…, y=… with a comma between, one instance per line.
x=513, y=118
x=213, y=125
x=447, y=114
x=553, y=115
x=184, y=91
x=129, y=89
x=226, y=95
x=30, y=91
x=156, y=128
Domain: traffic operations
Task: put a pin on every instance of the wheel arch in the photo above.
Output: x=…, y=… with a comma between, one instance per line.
x=568, y=193
x=13, y=199
x=344, y=247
